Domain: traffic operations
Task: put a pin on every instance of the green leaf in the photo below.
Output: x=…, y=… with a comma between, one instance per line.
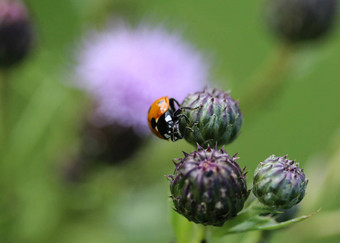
x=182, y=227
x=253, y=209
x=260, y=223
x=186, y=231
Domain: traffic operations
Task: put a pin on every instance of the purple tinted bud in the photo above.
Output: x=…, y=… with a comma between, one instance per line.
x=15, y=32
x=110, y=145
x=301, y=20
x=208, y=186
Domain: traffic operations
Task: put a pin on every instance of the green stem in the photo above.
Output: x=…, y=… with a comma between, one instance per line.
x=3, y=111
x=252, y=237
x=265, y=236
x=200, y=234
x=266, y=83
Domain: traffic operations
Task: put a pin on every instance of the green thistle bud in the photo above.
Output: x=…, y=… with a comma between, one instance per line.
x=301, y=20
x=208, y=187
x=215, y=118
x=279, y=182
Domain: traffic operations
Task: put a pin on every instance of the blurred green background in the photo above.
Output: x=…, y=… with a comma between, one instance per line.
x=129, y=202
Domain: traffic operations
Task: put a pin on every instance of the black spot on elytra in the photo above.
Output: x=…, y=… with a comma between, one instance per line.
x=153, y=123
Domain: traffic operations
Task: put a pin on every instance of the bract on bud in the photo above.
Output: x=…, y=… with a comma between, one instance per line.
x=279, y=182
x=15, y=32
x=215, y=118
x=208, y=186
x=301, y=20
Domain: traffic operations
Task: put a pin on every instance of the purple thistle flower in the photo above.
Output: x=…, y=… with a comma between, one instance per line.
x=125, y=69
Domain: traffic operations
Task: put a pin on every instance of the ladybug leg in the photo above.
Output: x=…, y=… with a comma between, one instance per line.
x=172, y=137
x=187, y=119
x=188, y=108
x=180, y=136
x=179, y=116
x=179, y=110
x=191, y=128
x=172, y=102
x=177, y=113
x=175, y=135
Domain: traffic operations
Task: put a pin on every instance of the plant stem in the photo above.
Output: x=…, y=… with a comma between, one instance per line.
x=265, y=236
x=265, y=84
x=3, y=111
x=200, y=234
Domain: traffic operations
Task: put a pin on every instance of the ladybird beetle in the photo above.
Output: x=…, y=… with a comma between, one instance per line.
x=163, y=118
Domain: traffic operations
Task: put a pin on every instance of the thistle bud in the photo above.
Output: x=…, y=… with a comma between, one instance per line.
x=15, y=32
x=301, y=20
x=279, y=182
x=110, y=144
x=208, y=187
x=214, y=118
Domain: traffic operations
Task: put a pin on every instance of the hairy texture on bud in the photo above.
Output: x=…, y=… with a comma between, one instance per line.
x=15, y=32
x=208, y=186
x=279, y=182
x=301, y=20
x=214, y=118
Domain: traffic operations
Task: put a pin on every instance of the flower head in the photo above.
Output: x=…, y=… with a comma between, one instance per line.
x=301, y=20
x=15, y=32
x=208, y=186
x=103, y=145
x=215, y=118
x=279, y=182
x=125, y=69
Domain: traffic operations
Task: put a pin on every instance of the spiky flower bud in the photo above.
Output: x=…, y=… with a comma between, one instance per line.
x=279, y=182
x=215, y=118
x=301, y=20
x=208, y=187
x=15, y=32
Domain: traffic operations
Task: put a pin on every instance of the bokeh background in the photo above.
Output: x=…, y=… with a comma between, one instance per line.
x=128, y=202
